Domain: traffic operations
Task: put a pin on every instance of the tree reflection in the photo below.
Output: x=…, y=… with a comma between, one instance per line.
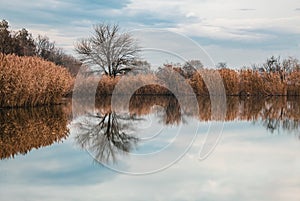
x=275, y=113
x=107, y=135
x=281, y=114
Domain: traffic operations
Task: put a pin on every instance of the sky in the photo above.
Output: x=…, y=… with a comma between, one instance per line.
x=240, y=32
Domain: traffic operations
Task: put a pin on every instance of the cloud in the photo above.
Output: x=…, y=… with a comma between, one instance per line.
x=248, y=164
x=231, y=23
x=247, y=9
x=44, y=167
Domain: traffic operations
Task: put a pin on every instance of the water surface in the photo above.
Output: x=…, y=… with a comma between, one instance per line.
x=46, y=154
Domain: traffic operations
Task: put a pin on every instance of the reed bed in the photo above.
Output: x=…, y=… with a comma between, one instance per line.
x=236, y=83
x=31, y=81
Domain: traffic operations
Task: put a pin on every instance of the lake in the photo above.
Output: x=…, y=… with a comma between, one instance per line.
x=152, y=148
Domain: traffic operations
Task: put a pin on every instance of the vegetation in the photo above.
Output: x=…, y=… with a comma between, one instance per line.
x=22, y=43
x=110, y=51
x=32, y=74
x=31, y=81
x=48, y=51
x=246, y=82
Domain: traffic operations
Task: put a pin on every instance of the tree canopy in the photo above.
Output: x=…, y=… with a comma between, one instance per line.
x=112, y=51
x=22, y=43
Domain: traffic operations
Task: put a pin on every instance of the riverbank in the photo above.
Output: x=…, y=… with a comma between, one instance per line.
x=32, y=81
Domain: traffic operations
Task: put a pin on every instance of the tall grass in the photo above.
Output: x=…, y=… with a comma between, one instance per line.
x=293, y=87
x=31, y=81
x=236, y=83
x=106, y=85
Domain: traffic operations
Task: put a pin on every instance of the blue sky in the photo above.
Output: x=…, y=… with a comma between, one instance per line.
x=237, y=32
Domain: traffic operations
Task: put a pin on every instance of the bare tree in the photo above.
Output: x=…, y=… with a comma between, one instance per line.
x=272, y=65
x=25, y=45
x=44, y=48
x=6, y=39
x=190, y=67
x=112, y=51
x=221, y=65
x=291, y=64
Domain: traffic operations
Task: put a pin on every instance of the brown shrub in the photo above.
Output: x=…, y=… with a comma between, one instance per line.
x=293, y=86
x=244, y=82
x=31, y=81
x=230, y=80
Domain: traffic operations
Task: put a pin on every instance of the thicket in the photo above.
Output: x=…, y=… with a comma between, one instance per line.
x=22, y=43
x=31, y=81
x=170, y=79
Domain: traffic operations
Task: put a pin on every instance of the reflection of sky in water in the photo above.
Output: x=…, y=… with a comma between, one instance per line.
x=248, y=164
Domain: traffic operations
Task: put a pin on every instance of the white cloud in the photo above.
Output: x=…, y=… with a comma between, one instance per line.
x=225, y=19
x=227, y=24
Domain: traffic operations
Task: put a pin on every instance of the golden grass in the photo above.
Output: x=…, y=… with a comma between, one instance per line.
x=293, y=87
x=243, y=82
x=31, y=81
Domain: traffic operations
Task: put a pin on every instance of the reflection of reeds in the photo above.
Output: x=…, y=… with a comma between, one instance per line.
x=31, y=81
x=108, y=134
x=21, y=130
x=141, y=105
x=281, y=109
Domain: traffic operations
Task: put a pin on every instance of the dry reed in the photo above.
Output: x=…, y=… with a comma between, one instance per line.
x=31, y=81
x=236, y=83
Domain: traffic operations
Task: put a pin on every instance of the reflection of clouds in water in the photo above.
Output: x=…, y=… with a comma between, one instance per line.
x=247, y=165
x=98, y=139
x=238, y=170
x=109, y=136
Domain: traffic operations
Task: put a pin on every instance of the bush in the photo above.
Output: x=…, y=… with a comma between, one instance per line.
x=31, y=81
x=293, y=87
x=169, y=81
x=230, y=80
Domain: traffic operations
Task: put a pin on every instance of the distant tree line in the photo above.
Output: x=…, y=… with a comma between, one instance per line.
x=22, y=43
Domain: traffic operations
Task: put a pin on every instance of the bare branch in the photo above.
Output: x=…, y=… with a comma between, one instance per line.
x=108, y=49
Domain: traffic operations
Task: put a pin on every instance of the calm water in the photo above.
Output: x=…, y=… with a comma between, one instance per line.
x=48, y=154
